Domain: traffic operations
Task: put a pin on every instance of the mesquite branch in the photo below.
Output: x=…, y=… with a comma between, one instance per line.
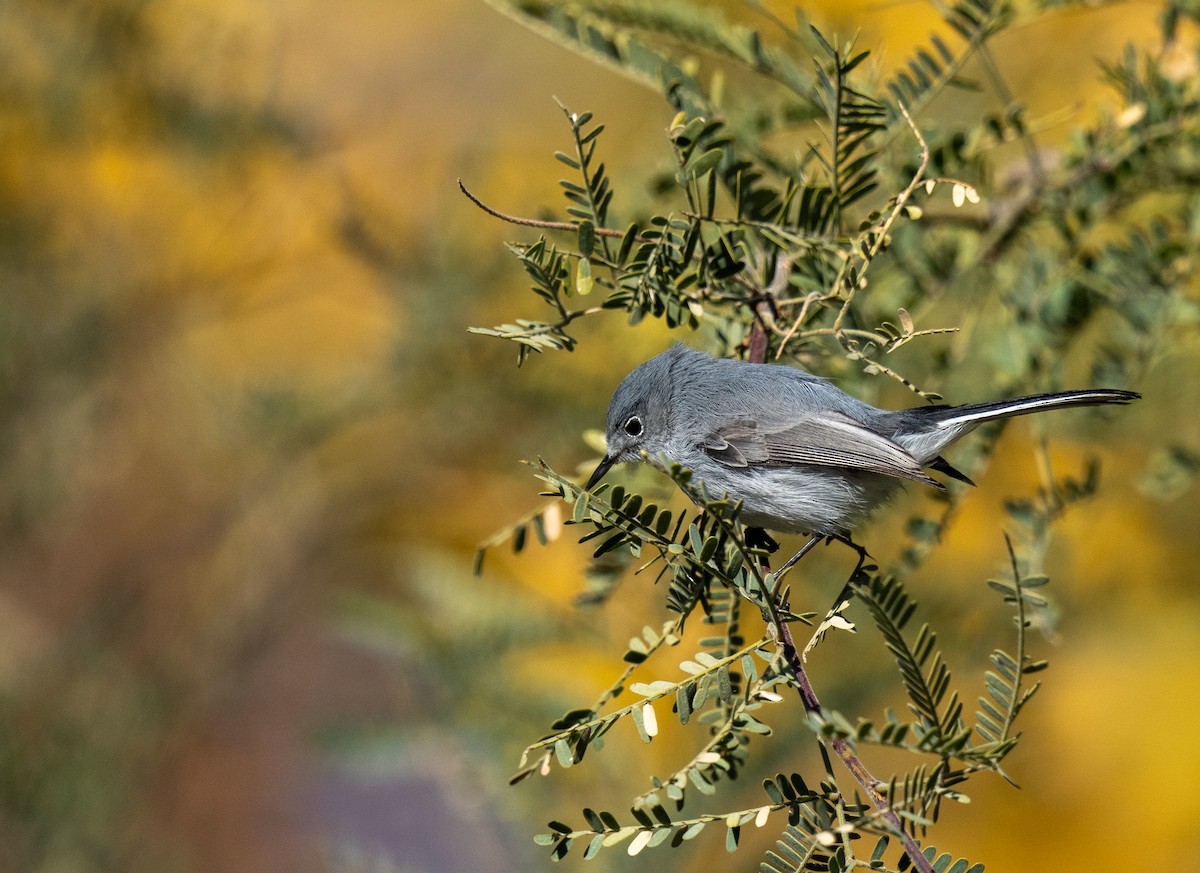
x=812, y=705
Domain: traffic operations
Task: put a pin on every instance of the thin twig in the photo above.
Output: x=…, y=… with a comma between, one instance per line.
x=868, y=256
x=533, y=222
x=901, y=200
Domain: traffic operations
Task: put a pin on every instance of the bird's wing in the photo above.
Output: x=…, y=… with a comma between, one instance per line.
x=833, y=440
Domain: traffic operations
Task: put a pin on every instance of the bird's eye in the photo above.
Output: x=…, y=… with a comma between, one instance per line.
x=633, y=426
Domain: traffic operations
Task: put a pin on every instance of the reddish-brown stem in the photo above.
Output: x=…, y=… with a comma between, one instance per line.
x=812, y=705
x=847, y=756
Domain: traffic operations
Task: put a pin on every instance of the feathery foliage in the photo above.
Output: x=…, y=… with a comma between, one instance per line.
x=828, y=257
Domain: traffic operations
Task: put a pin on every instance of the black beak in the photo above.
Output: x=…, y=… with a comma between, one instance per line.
x=603, y=467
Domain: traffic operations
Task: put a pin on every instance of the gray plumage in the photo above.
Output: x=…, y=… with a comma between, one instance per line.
x=802, y=455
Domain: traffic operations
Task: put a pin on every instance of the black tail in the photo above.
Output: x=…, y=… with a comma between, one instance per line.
x=977, y=413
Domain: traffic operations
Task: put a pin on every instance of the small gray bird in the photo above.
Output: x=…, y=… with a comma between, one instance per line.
x=801, y=455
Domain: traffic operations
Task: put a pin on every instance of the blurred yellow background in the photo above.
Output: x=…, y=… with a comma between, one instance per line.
x=242, y=415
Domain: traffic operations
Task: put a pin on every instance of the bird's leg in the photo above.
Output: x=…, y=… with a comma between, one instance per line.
x=756, y=536
x=804, y=550
x=833, y=618
x=781, y=604
x=863, y=554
